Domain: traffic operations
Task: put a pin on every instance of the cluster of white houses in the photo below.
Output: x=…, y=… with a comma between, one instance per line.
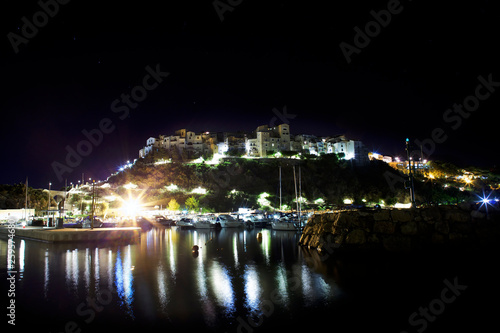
x=263, y=142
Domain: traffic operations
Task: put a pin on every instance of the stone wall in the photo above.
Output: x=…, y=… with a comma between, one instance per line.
x=400, y=229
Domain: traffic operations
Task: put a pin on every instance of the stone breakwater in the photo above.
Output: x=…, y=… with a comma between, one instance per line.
x=400, y=229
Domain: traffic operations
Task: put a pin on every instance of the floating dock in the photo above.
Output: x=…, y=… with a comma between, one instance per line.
x=52, y=235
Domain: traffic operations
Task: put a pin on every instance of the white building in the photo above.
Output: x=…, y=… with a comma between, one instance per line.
x=352, y=150
x=264, y=141
x=268, y=140
x=183, y=141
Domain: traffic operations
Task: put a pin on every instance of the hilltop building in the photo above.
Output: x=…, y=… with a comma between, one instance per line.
x=265, y=141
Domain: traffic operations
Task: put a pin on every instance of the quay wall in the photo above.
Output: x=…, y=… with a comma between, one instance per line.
x=401, y=229
x=75, y=235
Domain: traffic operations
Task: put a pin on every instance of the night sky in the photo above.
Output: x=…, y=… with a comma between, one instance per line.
x=230, y=74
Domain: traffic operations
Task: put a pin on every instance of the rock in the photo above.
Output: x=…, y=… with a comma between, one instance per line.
x=399, y=229
x=462, y=227
x=373, y=239
x=382, y=215
x=465, y=206
x=397, y=243
x=442, y=226
x=409, y=228
x=431, y=214
x=345, y=219
x=457, y=237
x=383, y=227
x=437, y=238
x=303, y=238
x=456, y=215
x=424, y=228
x=357, y=237
x=399, y=215
x=477, y=214
x=332, y=217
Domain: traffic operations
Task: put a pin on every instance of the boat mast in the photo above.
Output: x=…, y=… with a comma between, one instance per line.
x=300, y=198
x=26, y=203
x=295, y=183
x=280, y=188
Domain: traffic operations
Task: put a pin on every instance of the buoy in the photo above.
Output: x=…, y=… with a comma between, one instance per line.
x=259, y=236
x=195, y=248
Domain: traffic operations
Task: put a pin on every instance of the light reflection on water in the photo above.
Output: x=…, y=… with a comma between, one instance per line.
x=161, y=279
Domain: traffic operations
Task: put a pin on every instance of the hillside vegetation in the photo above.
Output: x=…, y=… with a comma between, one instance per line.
x=326, y=183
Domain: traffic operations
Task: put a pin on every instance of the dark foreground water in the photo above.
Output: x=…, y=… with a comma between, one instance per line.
x=237, y=283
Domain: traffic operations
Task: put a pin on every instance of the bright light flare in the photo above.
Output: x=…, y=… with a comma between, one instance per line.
x=131, y=207
x=199, y=190
x=132, y=204
x=485, y=200
x=402, y=205
x=130, y=186
x=263, y=201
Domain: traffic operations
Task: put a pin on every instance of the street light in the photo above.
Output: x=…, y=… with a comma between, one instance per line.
x=48, y=206
x=93, y=203
x=410, y=174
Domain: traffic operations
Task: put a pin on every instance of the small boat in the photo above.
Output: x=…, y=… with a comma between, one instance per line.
x=164, y=221
x=185, y=223
x=227, y=221
x=284, y=225
x=256, y=221
x=84, y=223
x=202, y=224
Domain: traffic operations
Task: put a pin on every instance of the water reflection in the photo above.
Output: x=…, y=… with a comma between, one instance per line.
x=97, y=274
x=222, y=287
x=22, y=248
x=252, y=288
x=162, y=287
x=159, y=279
x=86, y=272
x=235, y=250
x=46, y=274
x=282, y=284
x=72, y=270
x=265, y=244
x=124, y=279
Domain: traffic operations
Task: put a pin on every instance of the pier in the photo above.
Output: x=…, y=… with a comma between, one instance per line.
x=53, y=235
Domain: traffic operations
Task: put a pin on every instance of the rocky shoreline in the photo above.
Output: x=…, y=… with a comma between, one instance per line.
x=401, y=229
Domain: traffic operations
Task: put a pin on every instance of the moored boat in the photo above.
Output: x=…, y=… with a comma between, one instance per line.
x=202, y=224
x=185, y=223
x=284, y=225
x=227, y=221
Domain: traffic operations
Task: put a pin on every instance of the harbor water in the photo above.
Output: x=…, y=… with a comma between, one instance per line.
x=238, y=282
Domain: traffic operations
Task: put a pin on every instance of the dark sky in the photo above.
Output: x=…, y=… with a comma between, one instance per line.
x=229, y=75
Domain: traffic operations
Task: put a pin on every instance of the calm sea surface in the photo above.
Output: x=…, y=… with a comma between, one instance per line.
x=238, y=283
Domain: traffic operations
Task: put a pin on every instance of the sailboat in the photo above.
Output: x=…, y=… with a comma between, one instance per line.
x=24, y=221
x=283, y=223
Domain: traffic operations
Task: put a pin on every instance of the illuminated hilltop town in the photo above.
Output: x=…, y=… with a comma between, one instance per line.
x=264, y=142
